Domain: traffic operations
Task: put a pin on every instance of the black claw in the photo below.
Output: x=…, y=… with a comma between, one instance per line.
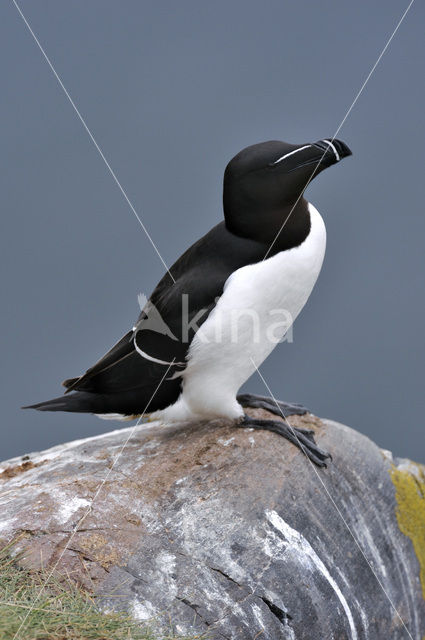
x=307, y=432
x=301, y=438
x=317, y=461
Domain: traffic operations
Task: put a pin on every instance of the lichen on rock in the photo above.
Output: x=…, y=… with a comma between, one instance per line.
x=409, y=482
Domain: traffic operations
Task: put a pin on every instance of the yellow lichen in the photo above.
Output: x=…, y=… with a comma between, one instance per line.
x=410, y=496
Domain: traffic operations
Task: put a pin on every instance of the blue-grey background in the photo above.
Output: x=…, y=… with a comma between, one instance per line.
x=171, y=91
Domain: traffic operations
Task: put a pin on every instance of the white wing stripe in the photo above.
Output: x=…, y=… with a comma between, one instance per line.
x=152, y=359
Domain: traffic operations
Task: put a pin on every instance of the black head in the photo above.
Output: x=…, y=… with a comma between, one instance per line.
x=263, y=182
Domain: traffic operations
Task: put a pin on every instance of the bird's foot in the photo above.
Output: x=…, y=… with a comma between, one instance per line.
x=301, y=438
x=277, y=407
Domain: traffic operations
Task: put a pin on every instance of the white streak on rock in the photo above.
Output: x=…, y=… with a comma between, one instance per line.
x=297, y=541
x=411, y=467
x=143, y=611
x=258, y=614
x=363, y=529
x=5, y=524
x=387, y=454
x=225, y=443
x=166, y=562
x=290, y=633
x=62, y=450
x=72, y=505
x=355, y=604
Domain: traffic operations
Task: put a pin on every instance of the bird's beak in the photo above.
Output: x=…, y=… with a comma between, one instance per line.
x=337, y=148
x=325, y=153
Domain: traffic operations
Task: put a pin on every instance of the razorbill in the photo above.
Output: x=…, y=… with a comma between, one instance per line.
x=201, y=336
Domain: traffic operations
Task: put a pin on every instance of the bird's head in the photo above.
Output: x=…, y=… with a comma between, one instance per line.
x=263, y=181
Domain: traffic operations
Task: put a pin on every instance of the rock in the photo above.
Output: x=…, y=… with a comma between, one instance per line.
x=213, y=528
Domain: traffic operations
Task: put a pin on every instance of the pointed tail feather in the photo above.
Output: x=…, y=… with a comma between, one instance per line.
x=69, y=382
x=79, y=402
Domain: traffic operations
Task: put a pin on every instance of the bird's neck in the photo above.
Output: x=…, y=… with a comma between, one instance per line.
x=287, y=225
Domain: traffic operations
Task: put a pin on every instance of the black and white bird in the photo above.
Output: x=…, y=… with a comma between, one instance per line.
x=206, y=329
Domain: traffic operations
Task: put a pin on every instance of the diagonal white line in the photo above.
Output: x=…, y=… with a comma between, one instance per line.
x=333, y=501
x=373, y=68
x=83, y=122
x=89, y=508
x=291, y=153
x=341, y=124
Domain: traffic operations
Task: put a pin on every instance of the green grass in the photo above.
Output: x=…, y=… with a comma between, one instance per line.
x=62, y=612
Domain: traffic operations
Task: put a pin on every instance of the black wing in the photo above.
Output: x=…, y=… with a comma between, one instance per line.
x=169, y=320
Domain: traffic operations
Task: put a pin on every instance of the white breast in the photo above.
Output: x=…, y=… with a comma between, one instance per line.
x=257, y=307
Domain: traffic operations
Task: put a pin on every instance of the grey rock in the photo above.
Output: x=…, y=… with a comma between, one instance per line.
x=217, y=529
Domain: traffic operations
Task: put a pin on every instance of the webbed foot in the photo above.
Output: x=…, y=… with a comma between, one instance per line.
x=301, y=438
x=277, y=407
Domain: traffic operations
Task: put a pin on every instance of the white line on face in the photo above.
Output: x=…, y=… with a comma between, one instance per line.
x=306, y=146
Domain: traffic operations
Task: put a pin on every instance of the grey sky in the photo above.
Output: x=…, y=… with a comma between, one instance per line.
x=171, y=91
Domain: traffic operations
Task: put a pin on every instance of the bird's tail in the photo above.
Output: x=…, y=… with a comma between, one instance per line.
x=78, y=402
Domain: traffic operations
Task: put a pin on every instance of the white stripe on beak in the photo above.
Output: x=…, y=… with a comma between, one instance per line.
x=333, y=149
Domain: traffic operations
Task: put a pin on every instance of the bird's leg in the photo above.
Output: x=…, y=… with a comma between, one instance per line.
x=277, y=407
x=301, y=438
